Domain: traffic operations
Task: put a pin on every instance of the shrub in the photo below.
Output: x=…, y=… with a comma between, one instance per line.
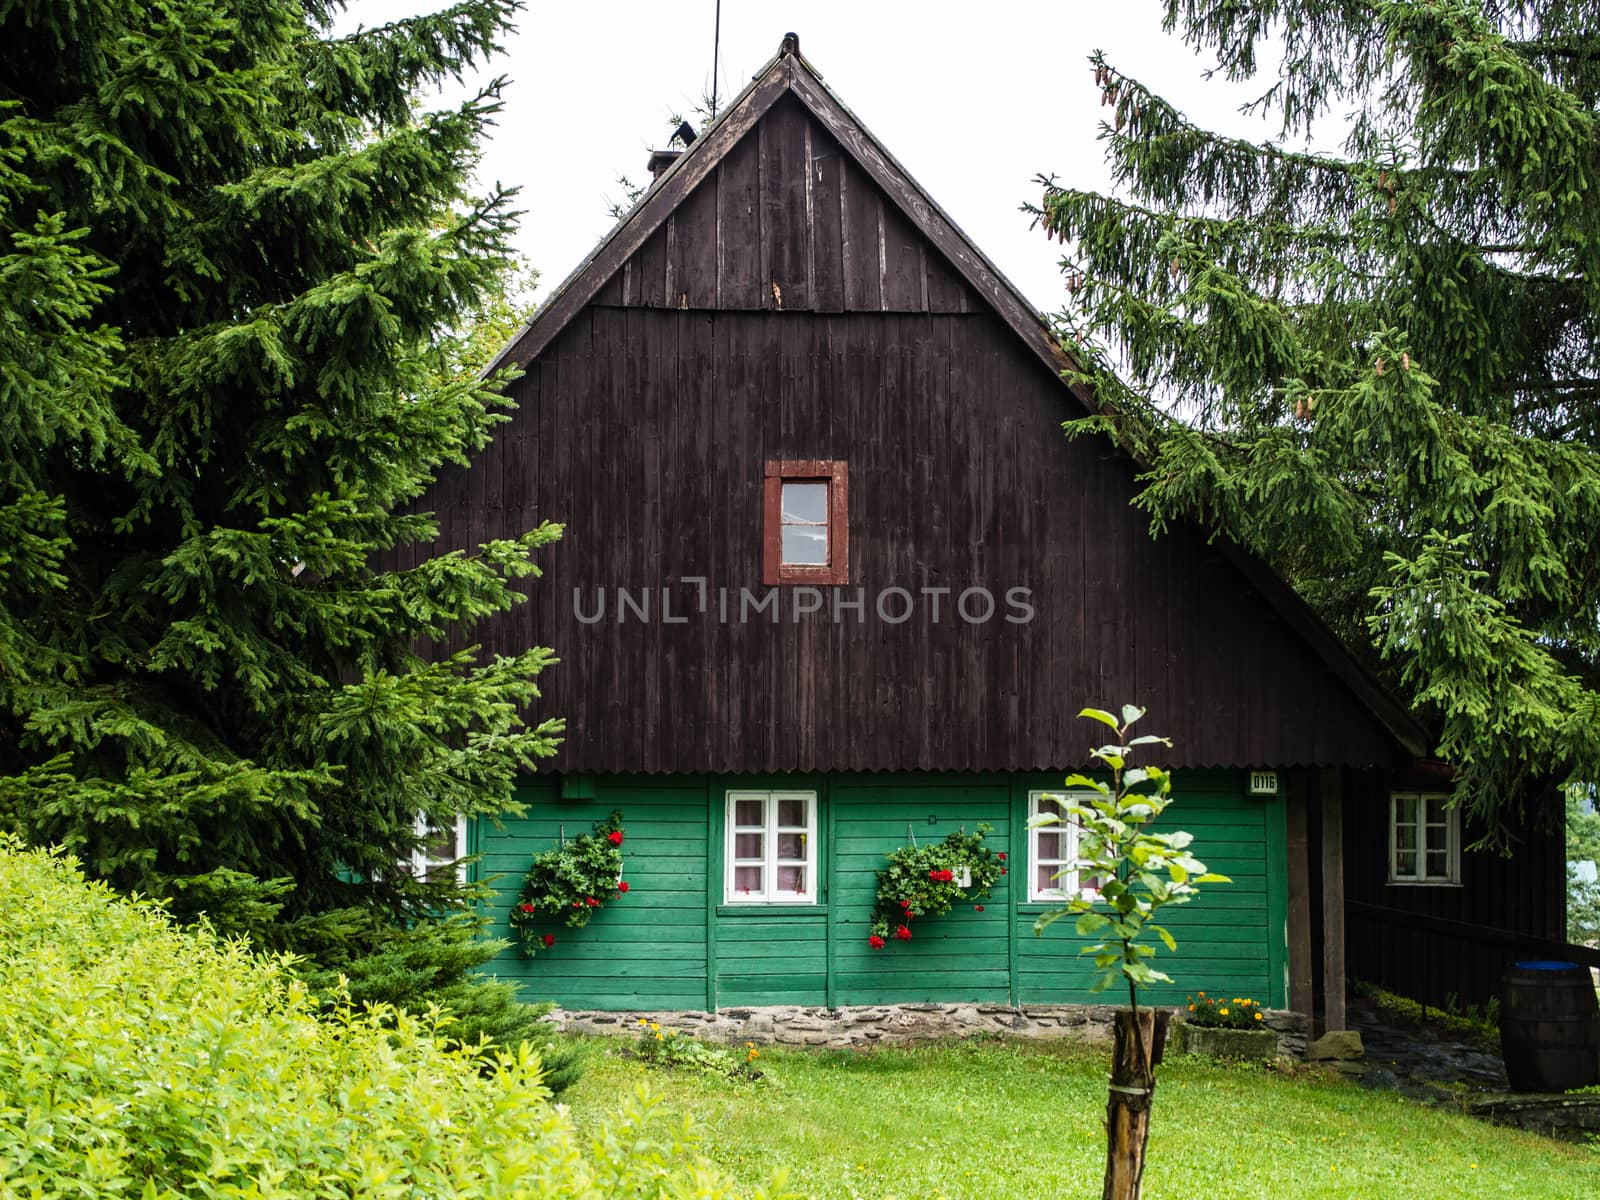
x=140, y=1059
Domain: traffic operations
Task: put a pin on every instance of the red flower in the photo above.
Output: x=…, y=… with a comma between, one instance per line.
x=1002, y=870
x=977, y=908
x=903, y=934
x=592, y=902
x=622, y=885
x=615, y=837
x=527, y=908
x=575, y=904
x=1001, y=856
x=905, y=904
x=876, y=942
x=549, y=940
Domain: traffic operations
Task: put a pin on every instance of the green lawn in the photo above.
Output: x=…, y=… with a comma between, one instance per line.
x=990, y=1121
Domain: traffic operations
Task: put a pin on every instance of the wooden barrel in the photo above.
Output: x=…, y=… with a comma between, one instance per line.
x=1550, y=1027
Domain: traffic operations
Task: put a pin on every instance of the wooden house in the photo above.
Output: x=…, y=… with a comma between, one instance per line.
x=833, y=578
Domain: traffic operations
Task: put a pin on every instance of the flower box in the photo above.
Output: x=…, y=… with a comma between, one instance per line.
x=1251, y=1045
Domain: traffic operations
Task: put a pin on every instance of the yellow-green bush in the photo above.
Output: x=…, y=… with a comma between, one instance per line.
x=139, y=1059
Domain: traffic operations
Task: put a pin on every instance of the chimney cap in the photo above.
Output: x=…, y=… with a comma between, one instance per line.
x=790, y=44
x=660, y=160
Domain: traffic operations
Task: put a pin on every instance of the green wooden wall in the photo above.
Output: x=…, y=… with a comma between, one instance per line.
x=671, y=944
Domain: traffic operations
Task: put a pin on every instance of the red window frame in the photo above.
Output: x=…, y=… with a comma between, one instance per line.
x=832, y=472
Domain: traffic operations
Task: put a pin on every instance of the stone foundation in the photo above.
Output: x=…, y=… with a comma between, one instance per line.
x=886, y=1024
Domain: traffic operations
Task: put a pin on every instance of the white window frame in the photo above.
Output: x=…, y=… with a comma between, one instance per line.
x=768, y=861
x=424, y=864
x=1452, y=835
x=1066, y=887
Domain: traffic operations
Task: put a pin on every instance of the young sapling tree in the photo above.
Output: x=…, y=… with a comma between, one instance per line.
x=1140, y=873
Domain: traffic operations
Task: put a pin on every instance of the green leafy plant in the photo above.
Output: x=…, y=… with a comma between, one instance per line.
x=568, y=884
x=1216, y=1012
x=143, y=1060
x=672, y=1049
x=927, y=881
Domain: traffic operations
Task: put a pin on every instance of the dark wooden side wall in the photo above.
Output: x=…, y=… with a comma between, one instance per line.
x=1426, y=960
x=765, y=231
x=645, y=428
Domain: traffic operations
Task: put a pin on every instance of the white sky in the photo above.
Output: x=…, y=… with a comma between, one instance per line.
x=974, y=99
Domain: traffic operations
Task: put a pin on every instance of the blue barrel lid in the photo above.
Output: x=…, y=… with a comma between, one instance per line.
x=1548, y=965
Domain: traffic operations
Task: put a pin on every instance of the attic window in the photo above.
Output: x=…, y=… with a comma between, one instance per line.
x=805, y=535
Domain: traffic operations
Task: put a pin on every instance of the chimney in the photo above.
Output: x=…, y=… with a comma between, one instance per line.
x=660, y=160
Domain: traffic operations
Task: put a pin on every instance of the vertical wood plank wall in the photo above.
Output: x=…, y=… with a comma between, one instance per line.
x=787, y=309
x=1524, y=892
x=671, y=943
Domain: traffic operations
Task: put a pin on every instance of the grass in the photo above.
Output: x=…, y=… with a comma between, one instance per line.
x=990, y=1121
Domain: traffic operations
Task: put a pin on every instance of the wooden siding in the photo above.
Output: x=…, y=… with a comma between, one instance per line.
x=787, y=307
x=646, y=433
x=787, y=221
x=1524, y=893
x=671, y=944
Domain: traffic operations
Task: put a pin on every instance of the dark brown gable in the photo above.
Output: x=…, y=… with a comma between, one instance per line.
x=764, y=231
x=785, y=293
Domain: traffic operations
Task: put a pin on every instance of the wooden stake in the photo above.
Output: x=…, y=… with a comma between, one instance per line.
x=1134, y=1059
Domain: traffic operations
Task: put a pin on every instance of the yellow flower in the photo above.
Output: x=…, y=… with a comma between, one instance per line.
x=655, y=1026
x=642, y=1021
x=658, y=1035
x=1258, y=1016
x=1223, y=1011
x=1191, y=1008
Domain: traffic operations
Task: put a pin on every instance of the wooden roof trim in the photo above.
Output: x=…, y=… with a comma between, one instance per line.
x=635, y=228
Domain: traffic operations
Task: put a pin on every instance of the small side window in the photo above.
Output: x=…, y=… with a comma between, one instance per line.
x=805, y=519
x=1424, y=839
x=443, y=847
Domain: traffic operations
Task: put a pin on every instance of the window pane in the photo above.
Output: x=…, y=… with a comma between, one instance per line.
x=1050, y=845
x=749, y=812
x=1049, y=808
x=1405, y=864
x=807, y=502
x=1438, y=864
x=791, y=879
x=1436, y=810
x=791, y=847
x=1089, y=883
x=792, y=813
x=1042, y=881
x=747, y=879
x=1405, y=837
x=805, y=545
x=747, y=845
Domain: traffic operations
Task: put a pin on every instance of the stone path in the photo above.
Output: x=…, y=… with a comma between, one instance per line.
x=1417, y=1062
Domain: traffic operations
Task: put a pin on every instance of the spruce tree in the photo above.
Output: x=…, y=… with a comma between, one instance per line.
x=239, y=263
x=1377, y=368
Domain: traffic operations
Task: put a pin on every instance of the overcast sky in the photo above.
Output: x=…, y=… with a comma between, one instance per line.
x=975, y=99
